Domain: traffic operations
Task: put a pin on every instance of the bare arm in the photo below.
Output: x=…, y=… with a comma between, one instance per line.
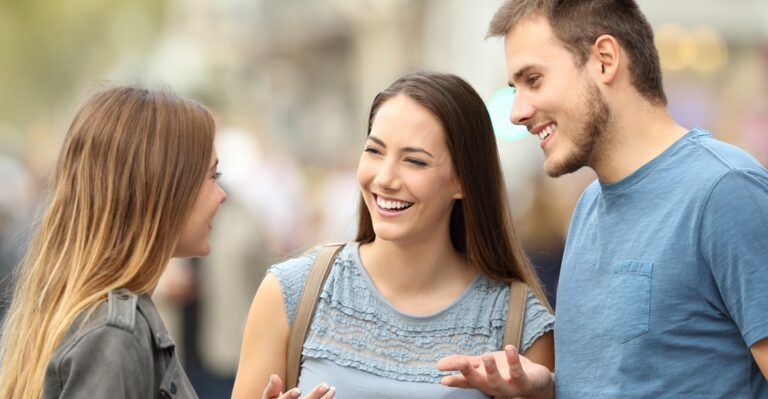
x=265, y=342
x=542, y=351
x=760, y=353
x=261, y=371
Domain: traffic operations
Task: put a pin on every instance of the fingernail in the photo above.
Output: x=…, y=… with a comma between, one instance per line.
x=295, y=393
x=324, y=388
x=332, y=391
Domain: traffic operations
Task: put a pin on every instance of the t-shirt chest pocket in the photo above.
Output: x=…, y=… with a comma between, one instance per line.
x=630, y=299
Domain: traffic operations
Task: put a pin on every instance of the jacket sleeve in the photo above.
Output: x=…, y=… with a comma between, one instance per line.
x=107, y=362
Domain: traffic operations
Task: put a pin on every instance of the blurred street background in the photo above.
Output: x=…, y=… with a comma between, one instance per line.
x=290, y=83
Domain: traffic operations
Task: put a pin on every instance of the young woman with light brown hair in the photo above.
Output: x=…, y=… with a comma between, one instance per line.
x=428, y=274
x=135, y=184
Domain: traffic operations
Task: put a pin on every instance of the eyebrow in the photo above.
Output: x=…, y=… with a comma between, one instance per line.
x=520, y=72
x=214, y=164
x=404, y=149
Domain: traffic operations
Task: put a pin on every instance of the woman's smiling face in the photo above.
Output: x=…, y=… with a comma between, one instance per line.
x=406, y=175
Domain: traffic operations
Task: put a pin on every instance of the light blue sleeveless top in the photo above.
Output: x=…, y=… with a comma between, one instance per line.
x=359, y=343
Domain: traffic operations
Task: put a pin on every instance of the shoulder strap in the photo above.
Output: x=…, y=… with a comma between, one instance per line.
x=513, y=331
x=305, y=309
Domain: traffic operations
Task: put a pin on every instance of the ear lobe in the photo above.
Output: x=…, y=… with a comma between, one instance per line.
x=459, y=194
x=607, y=52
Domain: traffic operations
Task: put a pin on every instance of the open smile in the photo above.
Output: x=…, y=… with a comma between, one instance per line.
x=391, y=206
x=546, y=132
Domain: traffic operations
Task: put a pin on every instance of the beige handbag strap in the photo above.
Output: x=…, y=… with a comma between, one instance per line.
x=513, y=332
x=305, y=309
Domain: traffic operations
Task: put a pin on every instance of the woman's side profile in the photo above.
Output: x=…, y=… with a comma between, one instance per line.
x=428, y=274
x=134, y=185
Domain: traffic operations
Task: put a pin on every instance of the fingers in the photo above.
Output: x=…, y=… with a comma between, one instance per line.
x=472, y=374
x=466, y=365
x=455, y=381
x=513, y=360
x=494, y=380
x=450, y=363
x=292, y=394
x=274, y=385
x=322, y=391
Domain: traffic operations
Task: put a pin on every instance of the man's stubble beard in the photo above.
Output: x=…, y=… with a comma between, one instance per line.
x=589, y=139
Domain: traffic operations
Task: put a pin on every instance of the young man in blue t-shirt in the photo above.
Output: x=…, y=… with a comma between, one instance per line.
x=663, y=290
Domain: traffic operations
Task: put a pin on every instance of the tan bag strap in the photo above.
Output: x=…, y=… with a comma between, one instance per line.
x=305, y=309
x=513, y=332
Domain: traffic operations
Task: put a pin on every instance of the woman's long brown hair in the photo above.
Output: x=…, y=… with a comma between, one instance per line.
x=481, y=225
x=127, y=176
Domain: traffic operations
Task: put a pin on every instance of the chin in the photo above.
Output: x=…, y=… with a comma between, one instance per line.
x=562, y=165
x=387, y=234
x=193, y=252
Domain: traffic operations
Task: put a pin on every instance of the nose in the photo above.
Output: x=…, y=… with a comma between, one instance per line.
x=522, y=111
x=388, y=175
x=223, y=195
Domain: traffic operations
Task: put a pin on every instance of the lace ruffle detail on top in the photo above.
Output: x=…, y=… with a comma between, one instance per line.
x=354, y=326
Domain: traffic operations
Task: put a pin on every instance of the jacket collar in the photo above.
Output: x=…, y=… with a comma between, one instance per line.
x=159, y=332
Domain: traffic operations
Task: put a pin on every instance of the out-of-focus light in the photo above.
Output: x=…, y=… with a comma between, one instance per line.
x=701, y=48
x=499, y=107
x=677, y=48
x=712, y=53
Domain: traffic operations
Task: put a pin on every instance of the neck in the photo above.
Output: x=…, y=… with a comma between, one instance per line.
x=410, y=268
x=638, y=133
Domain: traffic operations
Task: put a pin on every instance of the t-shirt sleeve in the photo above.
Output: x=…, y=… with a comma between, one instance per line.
x=292, y=275
x=733, y=243
x=537, y=320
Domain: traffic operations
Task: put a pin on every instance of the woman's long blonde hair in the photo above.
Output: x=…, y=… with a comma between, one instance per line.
x=127, y=176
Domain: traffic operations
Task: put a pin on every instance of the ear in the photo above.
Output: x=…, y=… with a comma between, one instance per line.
x=606, y=58
x=459, y=194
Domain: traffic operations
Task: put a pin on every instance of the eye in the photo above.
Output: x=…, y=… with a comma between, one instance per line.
x=417, y=162
x=372, y=150
x=216, y=176
x=532, y=79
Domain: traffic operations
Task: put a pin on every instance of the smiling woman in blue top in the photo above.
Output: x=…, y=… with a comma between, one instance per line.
x=428, y=273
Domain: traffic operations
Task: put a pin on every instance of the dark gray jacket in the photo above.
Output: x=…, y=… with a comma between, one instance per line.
x=123, y=350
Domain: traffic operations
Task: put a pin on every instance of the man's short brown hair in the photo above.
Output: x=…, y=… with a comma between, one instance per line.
x=578, y=24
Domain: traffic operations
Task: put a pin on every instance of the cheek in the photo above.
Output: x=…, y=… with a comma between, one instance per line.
x=364, y=173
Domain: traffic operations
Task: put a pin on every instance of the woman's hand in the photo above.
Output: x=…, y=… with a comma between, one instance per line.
x=502, y=373
x=275, y=386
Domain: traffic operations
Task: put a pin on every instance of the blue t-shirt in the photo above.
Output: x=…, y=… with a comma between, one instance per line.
x=664, y=281
x=366, y=348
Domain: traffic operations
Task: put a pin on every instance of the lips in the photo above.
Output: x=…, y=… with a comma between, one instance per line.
x=391, y=205
x=545, y=131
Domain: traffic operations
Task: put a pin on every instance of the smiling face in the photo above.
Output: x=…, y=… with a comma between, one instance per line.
x=195, y=236
x=406, y=174
x=556, y=99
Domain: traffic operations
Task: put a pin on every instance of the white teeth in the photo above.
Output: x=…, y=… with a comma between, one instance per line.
x=387, y=204
x=546, y=132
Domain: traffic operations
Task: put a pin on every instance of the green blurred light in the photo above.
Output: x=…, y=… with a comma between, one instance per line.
x=499, y=107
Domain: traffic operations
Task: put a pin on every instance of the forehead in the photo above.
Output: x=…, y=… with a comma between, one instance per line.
x=531, y=42
x=402, y=118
